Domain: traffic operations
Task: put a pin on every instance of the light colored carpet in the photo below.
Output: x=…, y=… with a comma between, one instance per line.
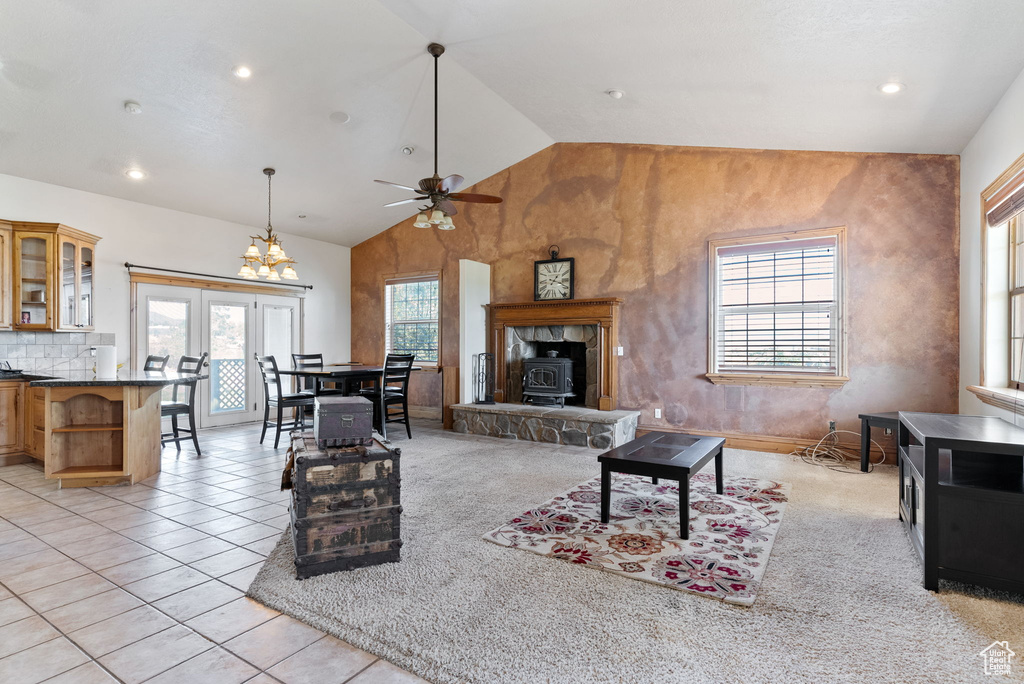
x=841, y=599
x=725, y=557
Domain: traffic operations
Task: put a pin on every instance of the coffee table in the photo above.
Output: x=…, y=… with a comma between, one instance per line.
x=669, y=455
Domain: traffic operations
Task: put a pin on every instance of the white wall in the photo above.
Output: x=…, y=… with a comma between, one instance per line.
x=151, y=236
x=474, y=296
x=995, y=146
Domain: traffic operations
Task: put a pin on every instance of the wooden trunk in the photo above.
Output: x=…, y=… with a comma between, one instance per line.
x=345, y=507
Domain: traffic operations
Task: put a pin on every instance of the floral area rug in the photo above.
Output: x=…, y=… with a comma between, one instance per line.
x=731, y=534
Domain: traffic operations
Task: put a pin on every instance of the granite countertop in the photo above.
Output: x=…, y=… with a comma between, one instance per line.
x=88, y=378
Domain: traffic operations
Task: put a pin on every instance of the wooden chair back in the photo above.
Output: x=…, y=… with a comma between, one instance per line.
x=192, y=365
x=397, y=369
x=307, y=362
x=268, y=369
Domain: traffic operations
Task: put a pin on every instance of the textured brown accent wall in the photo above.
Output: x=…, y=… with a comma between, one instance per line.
x=637, y=219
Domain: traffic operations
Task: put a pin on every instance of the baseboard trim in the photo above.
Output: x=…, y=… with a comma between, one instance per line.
x=430, y=412
x=15, y=459
x=778, y=445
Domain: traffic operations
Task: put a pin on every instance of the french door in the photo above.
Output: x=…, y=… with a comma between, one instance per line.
x=232, y=327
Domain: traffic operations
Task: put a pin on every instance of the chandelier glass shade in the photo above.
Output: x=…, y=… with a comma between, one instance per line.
x=256, y=264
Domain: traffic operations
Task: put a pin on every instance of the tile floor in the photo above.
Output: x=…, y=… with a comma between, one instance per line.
x=146, y=583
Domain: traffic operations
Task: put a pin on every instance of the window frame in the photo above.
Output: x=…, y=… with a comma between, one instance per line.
x=994, y=387
x=796, y=378
x=417, y=276
x=1016, y=289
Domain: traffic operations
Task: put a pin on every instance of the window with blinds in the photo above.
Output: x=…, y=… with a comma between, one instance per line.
x=411, y=317
x=1016, y=302
x=776, y=305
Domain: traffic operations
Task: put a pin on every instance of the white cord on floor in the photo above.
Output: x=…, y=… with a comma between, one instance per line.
x=828, y=453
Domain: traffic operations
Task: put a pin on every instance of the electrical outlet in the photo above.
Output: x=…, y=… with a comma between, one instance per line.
x=831, y=426
x=92, y=351
x=618, y=351
x=657, y=413
x=888, y=432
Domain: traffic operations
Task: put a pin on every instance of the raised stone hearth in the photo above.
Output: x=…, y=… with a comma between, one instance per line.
x=574, y=426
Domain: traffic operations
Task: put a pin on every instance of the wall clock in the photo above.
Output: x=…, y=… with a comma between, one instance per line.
x=554, y=278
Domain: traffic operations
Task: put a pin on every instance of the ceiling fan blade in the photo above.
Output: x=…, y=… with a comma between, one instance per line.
x=452, y=183
x=470, y=197
x=447, y=207
x=404, y=187
x=428, y=185
x=405, y=201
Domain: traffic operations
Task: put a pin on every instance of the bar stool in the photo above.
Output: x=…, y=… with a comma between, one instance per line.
x=175, y=408
x=156, y=364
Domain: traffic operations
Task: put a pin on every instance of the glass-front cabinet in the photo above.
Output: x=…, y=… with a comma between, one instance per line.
x=6, y=305
x=52, y=277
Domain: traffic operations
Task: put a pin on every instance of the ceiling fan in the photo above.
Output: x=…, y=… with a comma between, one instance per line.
x=439, y=192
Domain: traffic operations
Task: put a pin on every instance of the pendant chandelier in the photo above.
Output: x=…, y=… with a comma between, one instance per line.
x=256, y=265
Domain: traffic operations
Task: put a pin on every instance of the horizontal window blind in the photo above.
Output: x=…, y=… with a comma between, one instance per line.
x=777, y=307
x=411, y=317
x=1007, y=202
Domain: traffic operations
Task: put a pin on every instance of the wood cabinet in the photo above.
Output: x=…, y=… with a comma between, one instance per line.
x=35, y=421
x=11, y=428
x=52, y=285
x=6, y=301
x=961, y=498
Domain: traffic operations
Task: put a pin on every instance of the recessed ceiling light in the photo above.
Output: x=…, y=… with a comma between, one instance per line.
x=242, y=72
x=340, y=117
x=135, y=174
x=614, y=94
x=892, y=87
x=132, y=107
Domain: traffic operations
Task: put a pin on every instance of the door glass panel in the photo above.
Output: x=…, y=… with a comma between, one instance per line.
x=277, y=334
x=68, y=261
x=32, y=268
x=85, y=296
x=167, y=326
x=227, y=326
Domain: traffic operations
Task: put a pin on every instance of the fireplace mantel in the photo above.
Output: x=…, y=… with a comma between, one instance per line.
x=600, y=312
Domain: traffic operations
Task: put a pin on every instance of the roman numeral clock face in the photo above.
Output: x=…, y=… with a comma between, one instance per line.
x=553, y=279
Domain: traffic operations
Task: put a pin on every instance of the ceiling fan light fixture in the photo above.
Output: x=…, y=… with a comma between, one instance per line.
x=446, y=224
x=437, y=217
x=421, y=220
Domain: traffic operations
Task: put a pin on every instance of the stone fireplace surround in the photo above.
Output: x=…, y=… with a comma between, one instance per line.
x=516, y=330
x=591, y=321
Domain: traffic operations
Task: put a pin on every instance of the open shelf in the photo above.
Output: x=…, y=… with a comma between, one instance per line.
x=89, y=427
x=88, y=471
x=982, y=472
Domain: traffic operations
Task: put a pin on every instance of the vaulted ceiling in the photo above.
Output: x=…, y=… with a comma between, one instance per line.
x=790, y=74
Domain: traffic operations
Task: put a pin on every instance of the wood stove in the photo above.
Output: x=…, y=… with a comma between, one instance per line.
x=547, y=380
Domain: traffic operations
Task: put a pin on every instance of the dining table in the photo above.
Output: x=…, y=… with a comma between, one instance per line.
x=344, y=376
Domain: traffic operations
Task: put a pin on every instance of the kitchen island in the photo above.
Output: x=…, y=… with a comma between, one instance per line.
x=91, y=431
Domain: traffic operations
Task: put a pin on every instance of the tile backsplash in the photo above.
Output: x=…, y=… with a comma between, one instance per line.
x=49, y=351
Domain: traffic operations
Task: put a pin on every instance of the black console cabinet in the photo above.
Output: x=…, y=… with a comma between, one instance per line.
x=962, y=497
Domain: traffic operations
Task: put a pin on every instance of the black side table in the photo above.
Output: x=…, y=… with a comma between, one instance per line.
x=889, y=420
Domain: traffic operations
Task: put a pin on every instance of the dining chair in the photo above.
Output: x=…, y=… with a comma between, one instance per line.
x=390, y=396
x=156, y=364
x=191, y=365
x=279, y=400
x=308, y=384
